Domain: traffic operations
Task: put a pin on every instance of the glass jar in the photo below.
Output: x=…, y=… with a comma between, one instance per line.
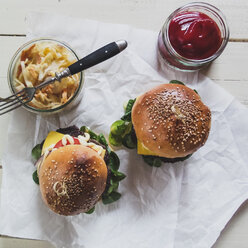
x=186, y=40
x=13, y=70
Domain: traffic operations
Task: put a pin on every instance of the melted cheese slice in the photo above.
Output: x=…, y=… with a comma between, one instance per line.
x=54, y=137
x=143, y=150
x=51, y=139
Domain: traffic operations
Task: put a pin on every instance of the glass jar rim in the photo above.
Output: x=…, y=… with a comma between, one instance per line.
x=192, y=62
x=11, y=64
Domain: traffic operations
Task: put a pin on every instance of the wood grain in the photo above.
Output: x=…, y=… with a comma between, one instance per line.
x=9, y=242
x=148, y=14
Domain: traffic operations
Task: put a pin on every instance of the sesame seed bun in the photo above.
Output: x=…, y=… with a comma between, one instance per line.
x=72, y=179
x=171, y=120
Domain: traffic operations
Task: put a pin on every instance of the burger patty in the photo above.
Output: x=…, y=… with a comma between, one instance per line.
x=71, y=130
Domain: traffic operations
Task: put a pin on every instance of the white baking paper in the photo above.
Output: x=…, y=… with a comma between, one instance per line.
x=180, y=205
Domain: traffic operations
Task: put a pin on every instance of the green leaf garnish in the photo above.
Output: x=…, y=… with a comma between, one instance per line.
x=117, y=176
x=102, y=139
x=196, y=92
x=90, y=132
x=121, y=130
x=36, y=151
x=92, y=135
x=114, y=161
x=129, y=141
x=108, y=149
x=130, y=105
x=35, y=177
x=113, y=186
x=119, y=127
x=90, y=211
x=118, y=130
x=115, y=140
x=110, y=198
x=126, y=116
x=176, y=82
x=128, y=110
x=152, y=160
x=83, y=129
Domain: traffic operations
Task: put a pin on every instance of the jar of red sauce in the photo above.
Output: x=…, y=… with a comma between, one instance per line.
x=192, y=37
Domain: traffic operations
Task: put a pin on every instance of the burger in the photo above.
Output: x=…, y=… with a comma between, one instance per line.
x=166, y=124
x=75, y=169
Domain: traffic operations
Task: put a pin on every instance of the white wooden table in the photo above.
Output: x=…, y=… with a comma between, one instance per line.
x=230, y=71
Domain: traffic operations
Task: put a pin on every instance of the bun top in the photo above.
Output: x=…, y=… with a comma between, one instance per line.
x=72, y=179
x=171, y=120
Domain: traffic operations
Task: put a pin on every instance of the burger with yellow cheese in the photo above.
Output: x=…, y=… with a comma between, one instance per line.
x=166, y=124
x=75, y=169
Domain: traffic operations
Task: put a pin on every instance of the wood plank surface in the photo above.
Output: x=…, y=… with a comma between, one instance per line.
x=229, y=71
x=148, y=14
